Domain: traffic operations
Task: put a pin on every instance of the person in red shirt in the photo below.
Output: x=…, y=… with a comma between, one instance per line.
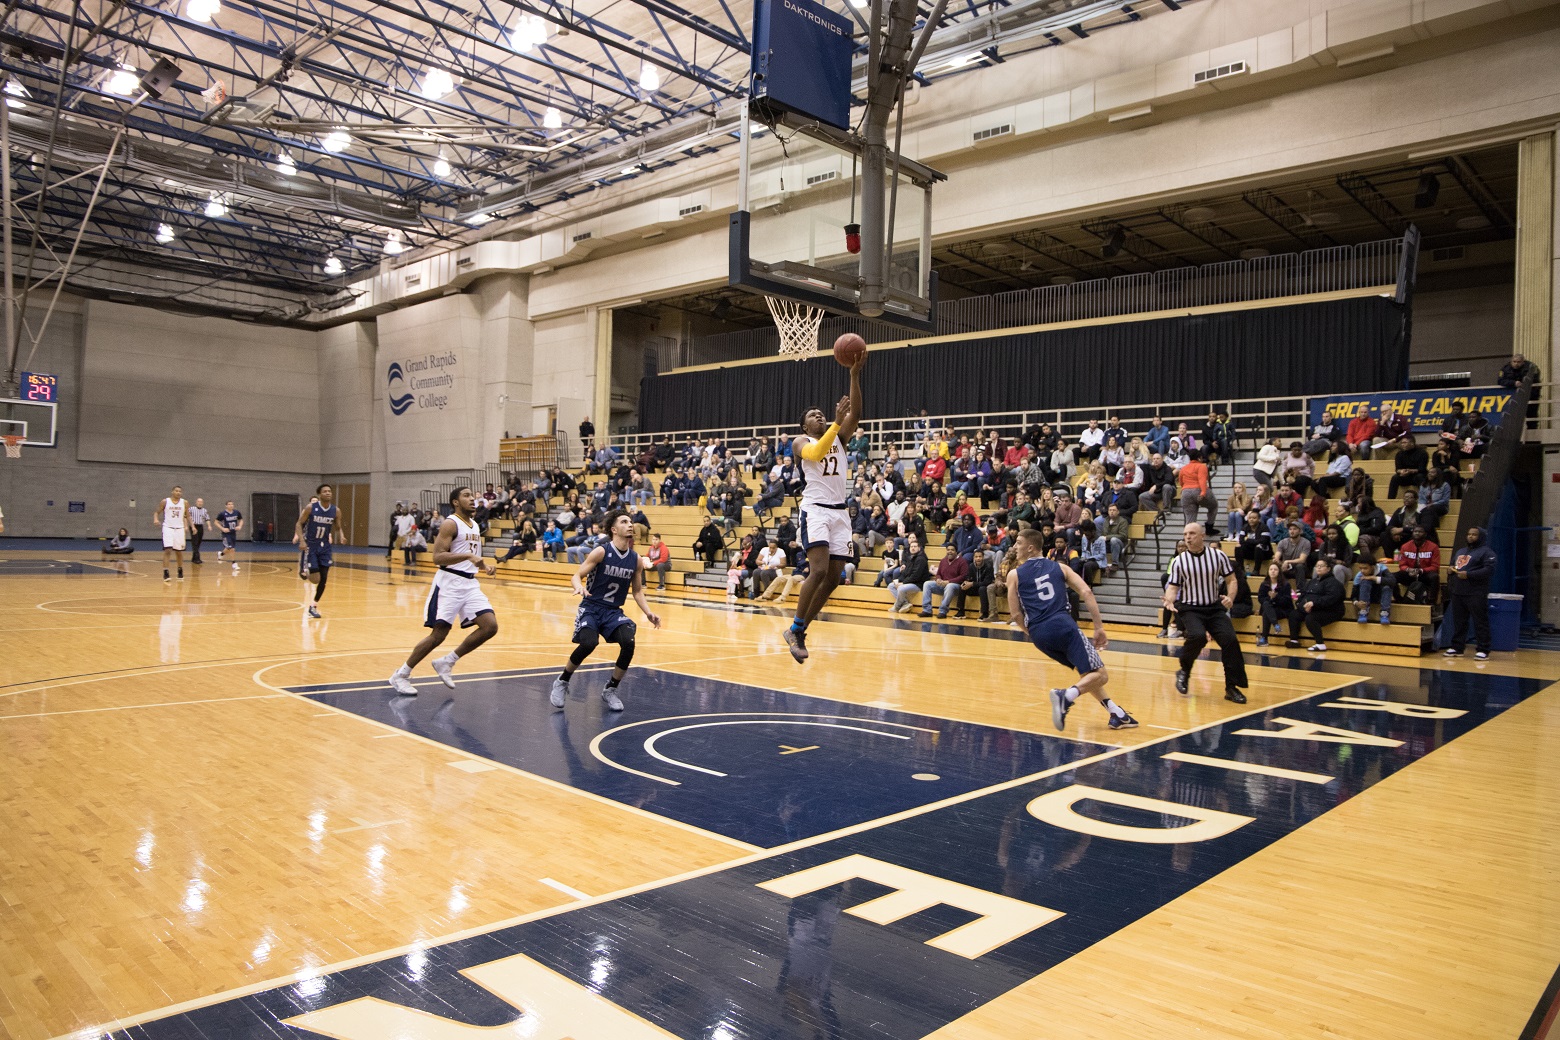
x=1419, y=561
x=951, y=573
x=1316, y=513
x=936, y=468
x=1195, y=491
x=1362, y=430
x=658, y=559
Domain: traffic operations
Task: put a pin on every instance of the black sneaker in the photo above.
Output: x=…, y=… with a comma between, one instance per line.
x=1123, y=722
x=797, y=641
x=181, y=573
x=1183, y=680
x=1234, y=696
x=1059, y=708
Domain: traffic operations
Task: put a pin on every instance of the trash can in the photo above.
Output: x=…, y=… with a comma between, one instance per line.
x=1505, y=621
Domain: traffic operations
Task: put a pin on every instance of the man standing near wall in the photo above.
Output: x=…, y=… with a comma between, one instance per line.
x=587, y=436
x=1472, y=567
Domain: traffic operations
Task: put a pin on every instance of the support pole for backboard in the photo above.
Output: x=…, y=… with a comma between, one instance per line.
x=884, y=71
x=5, y=229
x=926, y=243
x=744, y=152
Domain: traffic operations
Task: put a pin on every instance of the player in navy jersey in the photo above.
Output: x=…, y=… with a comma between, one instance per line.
x=608, y=576
x=230, y=521
x=314, y=533
x=1037, y=603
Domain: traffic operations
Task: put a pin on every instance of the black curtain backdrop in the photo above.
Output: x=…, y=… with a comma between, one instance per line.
x=1340, y=347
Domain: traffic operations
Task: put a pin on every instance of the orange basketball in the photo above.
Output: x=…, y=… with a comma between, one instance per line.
x=849, y=349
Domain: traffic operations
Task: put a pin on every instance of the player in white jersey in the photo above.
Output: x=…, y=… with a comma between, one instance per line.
x=823, y=525
x=173, y=514
x=456, y=595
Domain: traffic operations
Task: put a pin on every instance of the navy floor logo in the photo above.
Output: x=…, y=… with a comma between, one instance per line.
x=398, y=404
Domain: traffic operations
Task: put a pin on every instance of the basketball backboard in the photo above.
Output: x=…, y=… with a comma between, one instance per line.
x=806, y=226
x=37, y=420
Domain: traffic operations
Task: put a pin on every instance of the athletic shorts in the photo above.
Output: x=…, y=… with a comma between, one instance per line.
x=820, y=526
x=455, y=599
x=173, y=538
x=1060, y=640
x=316, y=558
x=230, y=539
x=596, y=617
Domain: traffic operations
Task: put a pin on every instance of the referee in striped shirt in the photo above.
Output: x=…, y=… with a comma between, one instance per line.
x=1193, y=592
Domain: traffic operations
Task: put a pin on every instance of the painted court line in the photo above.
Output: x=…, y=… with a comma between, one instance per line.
x=132, y=707
x=565, y=889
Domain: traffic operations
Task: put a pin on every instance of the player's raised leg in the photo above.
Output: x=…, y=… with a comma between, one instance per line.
x=824, y=523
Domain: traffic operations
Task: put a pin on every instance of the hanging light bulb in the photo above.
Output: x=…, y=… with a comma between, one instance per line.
x=552, y=119
x=164, y=234
x=285, y=165
x=436, y=83
x=441, y=166
x=393, y=244
x=333, y=266
x=649, y=77
x=215, y=207
x=530, y=32
x=336, y=141
x=123, y=81
x=478, y=219
x=202, y=10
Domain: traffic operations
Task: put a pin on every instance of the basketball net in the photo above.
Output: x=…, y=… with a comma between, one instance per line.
x=798, y=324
x=13, y=446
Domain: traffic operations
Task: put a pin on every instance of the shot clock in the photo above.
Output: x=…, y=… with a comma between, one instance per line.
x=38, y=386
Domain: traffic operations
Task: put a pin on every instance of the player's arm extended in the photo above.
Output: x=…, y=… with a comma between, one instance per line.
x=1015, y=608
x=639, y=596
x=848, y=427
x=1086, y=594
x=819, y=449
x=442, y=557
x=588, y=564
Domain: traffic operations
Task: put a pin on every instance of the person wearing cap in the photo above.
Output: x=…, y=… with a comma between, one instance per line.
x=1472, y=567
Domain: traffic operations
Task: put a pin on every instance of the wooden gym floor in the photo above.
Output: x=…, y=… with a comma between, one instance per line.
x=218, y=823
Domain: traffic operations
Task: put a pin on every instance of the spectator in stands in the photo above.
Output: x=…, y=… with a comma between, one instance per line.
x=1361, y=486
x=1184, y=435
x=1372, y=522
x=1093, y=554
x=1408, y=466
x=911, y=525
x=1293, y=553
x=891, y=567
x=1112, y=455
x=770, y=497
x=786, y=537
x=1091, y=441
x=1158, y=484
x=1338, y=469
x=1117, y=532
x=569, y=516
x=1391, y=428
x=1127, y=486
x=978, y=582
x=752, y=548
x=998, y=542
x=952, y=572
x=1515, y=371
x=1069, y=514
x=914, y=573
x=1297, y=468
x=1179, y=455
x=1474, y=438
x=662, y=454
x=1094, y=489
x=876, y=531
x=691, y=489
x=1435, y=498
x=1451, y=426
x=1237, y=505
x=522, y=544
x=1338, y=553
x=1472, y=568
x=1268, y=458
x=671, y=487
x=736, y=573
x=638, y=492
x=1373, y=583
x=604, y=460
x=1321, y=604
x=413, y=544
x=587, y=433
x=562, y=481
x=967, y=538
x=1197, y=492
x=119, y=545
x=1361, y=433
x=730, y=496
x=1157, y=438
x=848, y=567
x=1217, y=440
x=784, y=582
x=1323, y=436
x=979, y=478
x=1275, y=602
x=1060, y=464
x=1253, y=545
x=658, y=558
x=1316, y=512
x=580, y=545
x=1419, y=568
x=934, y=467
x=858, y=449
x=935, y=505
x=1042, y=509
x=1167, y=626
x=1264, y=503
x=1400, y=527
x=710, y=544
x=1446, y=459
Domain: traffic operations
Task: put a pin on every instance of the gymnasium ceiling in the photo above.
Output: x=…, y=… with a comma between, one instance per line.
x=457, y=115
x=1472, y=202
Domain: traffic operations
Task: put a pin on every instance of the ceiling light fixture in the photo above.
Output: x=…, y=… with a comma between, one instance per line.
x=285, y=165
x=123, y=80
x=333, y=266
x=336, y=141
x=478, y=219
x=441, y=165
x=393, y=244
x=1113, y=244
x=530, y=32
x=630, y=170
x=436, y=83
x=164, y=234
x=1429, y=190
x=215, y=207
x=552, y=119
x=649, y=77
x=202, y=10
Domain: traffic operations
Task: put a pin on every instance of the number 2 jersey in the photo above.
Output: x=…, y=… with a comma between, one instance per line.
x=612, y=580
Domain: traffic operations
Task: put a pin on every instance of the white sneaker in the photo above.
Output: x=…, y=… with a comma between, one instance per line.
x=560, y=691
x=442, y=667
x=1317, y=648
x=1175, y=633
x=402, y=685
x=1481, y=656
x=614, y=703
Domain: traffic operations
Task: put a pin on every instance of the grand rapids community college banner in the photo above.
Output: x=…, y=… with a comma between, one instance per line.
x=1424, y=408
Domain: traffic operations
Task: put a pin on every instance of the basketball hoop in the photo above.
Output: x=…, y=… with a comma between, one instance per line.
x=798, y=324
x=13, y=445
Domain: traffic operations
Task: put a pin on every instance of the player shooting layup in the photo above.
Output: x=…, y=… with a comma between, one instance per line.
x=823, y=526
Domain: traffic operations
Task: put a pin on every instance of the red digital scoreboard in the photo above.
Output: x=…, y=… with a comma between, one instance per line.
x=38, y=386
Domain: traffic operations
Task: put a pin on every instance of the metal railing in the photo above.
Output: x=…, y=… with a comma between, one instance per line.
x=1335, y=268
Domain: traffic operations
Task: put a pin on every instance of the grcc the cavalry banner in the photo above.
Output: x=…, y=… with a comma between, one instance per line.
x=1424, y=408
